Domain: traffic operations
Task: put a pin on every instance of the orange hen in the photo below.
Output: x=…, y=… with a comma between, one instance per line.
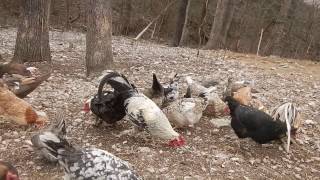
x=17, y=110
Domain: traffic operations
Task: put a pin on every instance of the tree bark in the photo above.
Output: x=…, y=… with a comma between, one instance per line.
x=125, y=17
x=99, y=36
x=32, y=43
x=216, y=39
x=279, y=30
x=180, y=22
x=185, y=30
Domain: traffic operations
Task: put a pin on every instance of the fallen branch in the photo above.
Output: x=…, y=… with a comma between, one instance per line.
x=155, y=19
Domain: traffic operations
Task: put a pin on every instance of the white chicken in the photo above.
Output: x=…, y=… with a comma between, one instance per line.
x=142, y=111
x=187, y=111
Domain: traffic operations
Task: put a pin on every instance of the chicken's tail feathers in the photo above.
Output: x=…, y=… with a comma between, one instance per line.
x=117, y=81
x=59, y=127
x=188, y=93
x=51, y=142
x=156, y=85
x=287, y=112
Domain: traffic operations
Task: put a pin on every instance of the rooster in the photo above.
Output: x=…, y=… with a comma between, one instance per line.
x=22, y=86
x=17, y=110
x=216, y=107
x=288, y=114
x=106, y=105
x=186, y=111
x=142, y=111
x=8, y=172
x=14, y=68
x=58, y=129
x=250, y=122
x=87, y=163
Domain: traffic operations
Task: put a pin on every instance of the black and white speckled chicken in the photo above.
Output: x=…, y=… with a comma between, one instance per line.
x=143, y=112
x=250, y=122
x=58, y=129
x=86, y=163
x=106, y=105
x=289, y=115
x=8, y=171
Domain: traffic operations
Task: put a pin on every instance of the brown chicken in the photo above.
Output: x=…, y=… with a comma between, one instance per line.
x=215, y=107
x=17, y=110
x=243, y=95
x=14, y=68
x=22, y=86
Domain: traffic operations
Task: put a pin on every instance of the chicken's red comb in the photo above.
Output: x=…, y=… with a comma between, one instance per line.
x=177, y=142
x=86, y=107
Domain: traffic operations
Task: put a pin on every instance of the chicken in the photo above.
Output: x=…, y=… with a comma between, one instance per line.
x=58, y=129
x=86, y=163
x=216, y=107
x=14, y=68
x=8, y=171
x=161, y=94
x=250, y=122
x=186, y=111
x=288, y=114
x=17, y=110
x=22, y=86
x=143, y=112
x=243, y=95
x=108, y=106
x=156, y=92
x=234, y=86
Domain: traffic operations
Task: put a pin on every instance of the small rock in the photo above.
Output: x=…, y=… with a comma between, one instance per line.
x=151, y=170
x=78, y=120
x=231, y=171
x=297, y=176
x=220, y=122
x=144, y=149
x=298, y=169
x=309, y=122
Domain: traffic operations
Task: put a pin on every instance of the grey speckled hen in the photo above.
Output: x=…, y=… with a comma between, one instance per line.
x=88, y=163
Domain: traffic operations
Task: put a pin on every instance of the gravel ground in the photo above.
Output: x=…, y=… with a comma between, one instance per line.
x=212, y=152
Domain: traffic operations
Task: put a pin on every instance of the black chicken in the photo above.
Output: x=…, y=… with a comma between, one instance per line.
x=106, y=105
x=250, y=122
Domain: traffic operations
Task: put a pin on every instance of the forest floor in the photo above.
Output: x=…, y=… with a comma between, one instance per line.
x=211, y=152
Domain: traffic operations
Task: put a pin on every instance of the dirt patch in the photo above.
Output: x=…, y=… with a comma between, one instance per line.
x=211, y=152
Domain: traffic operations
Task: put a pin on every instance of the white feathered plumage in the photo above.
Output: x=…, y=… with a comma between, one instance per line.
x=288, y=113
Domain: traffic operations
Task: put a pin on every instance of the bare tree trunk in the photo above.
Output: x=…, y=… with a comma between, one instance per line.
x=99, y=36
x=217, y=31
x=125, y=17
x=227, y=21
x=185, y=30
x=67, y=14
x=180, y=22
x=279, y=30
x=32, y=43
